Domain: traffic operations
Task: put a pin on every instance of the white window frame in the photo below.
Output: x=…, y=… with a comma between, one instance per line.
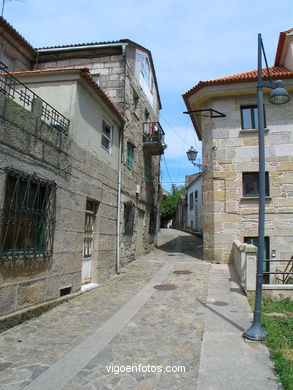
x=105, y=136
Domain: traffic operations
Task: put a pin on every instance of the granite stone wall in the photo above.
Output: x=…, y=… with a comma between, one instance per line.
x=31, y=146
x=229, y=151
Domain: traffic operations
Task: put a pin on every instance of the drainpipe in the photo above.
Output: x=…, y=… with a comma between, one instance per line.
x=120, y=173
x=119, y=204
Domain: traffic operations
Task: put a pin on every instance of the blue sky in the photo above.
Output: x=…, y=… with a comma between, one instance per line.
x=190, y=40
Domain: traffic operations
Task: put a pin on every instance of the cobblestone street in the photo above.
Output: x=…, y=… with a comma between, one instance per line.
x=124, y=322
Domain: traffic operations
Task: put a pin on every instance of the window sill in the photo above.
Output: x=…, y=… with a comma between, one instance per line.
x=251, y=131
x=107, y=150
x=247, y=198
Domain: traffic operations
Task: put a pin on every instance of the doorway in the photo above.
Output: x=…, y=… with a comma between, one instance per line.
x=88, y=242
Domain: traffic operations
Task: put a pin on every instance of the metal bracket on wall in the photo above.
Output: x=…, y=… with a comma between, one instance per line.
x=212, y=113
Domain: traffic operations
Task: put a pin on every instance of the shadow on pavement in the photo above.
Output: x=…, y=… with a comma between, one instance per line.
x=186, y=243
x=221, y=316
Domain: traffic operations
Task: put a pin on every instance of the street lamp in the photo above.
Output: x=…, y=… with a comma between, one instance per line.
x=278, y=96
x=191, y=155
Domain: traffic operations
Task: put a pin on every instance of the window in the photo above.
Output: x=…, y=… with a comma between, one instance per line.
x=148, y=171
x=144, y=67
x=266, y=266
x=128, y=218
x=129, y=155
x=191, y=201
x=90, y=218
x=153, y=222
x=249, y=117
x=107, y=136
x=28, y=216
x=135, y=100
x=196, y=195
x=146, y=115
x=251, y=185
x=8, y=61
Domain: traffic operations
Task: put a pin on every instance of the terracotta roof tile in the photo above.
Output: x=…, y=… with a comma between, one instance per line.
x=85, y=74
x=281, y=42
x=276, y=72
x=7, y=27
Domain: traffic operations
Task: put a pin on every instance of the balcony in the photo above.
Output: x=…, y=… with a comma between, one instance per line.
x=22, y=95
x=153, y=138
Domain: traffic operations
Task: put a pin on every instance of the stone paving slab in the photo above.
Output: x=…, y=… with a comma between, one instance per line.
x=166, y=330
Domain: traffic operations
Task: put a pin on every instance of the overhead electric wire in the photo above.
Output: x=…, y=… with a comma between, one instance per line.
x=167, y=170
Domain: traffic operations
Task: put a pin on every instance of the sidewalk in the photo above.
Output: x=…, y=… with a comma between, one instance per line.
x=192, y=320
x=227, y=360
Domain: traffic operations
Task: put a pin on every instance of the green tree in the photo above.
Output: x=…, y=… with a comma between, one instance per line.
x=169, y=204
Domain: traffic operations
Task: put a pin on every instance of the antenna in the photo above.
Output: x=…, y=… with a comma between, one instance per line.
x=4, y=1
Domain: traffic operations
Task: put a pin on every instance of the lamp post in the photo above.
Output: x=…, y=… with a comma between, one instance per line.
x=278, y=96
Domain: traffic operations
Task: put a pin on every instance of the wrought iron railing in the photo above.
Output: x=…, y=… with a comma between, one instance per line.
x=27, y=217
x=22, y=95
x=153, y=132
x=284, y=276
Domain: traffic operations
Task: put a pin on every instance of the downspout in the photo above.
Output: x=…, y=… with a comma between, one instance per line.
x=119, y=205
x=120, y=177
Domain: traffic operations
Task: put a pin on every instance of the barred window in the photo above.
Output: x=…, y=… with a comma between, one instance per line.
x=128, y=218
x=28, y=216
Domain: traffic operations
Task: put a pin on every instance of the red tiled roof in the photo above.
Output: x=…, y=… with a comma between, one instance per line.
x=85, y=74
x=48, y=70
x=6, y=26
x=281, y=42
x=276, y=72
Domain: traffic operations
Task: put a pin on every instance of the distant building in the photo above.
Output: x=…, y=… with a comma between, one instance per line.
x=193, y=191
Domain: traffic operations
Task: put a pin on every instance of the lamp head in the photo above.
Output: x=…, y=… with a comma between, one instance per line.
x=191, y=154
x=279, y=95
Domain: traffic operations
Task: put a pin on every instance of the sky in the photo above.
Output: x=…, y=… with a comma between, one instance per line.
x=190, y=41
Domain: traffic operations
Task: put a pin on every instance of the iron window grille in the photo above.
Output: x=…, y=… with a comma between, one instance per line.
x=27, y=216
x=90, y=218
x=22, y=95
x=250, y=181
x=128, y=218
x=249, y=117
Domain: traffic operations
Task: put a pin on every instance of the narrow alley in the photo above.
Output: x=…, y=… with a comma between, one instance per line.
x=142, y=330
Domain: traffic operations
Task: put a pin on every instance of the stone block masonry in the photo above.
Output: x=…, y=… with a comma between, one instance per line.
x=30, y=146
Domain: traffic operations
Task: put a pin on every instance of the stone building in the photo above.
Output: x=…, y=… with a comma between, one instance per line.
x=59, y=188
x=124, y=70
x=193, y=191
x=79, y=167
x=230, y=152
